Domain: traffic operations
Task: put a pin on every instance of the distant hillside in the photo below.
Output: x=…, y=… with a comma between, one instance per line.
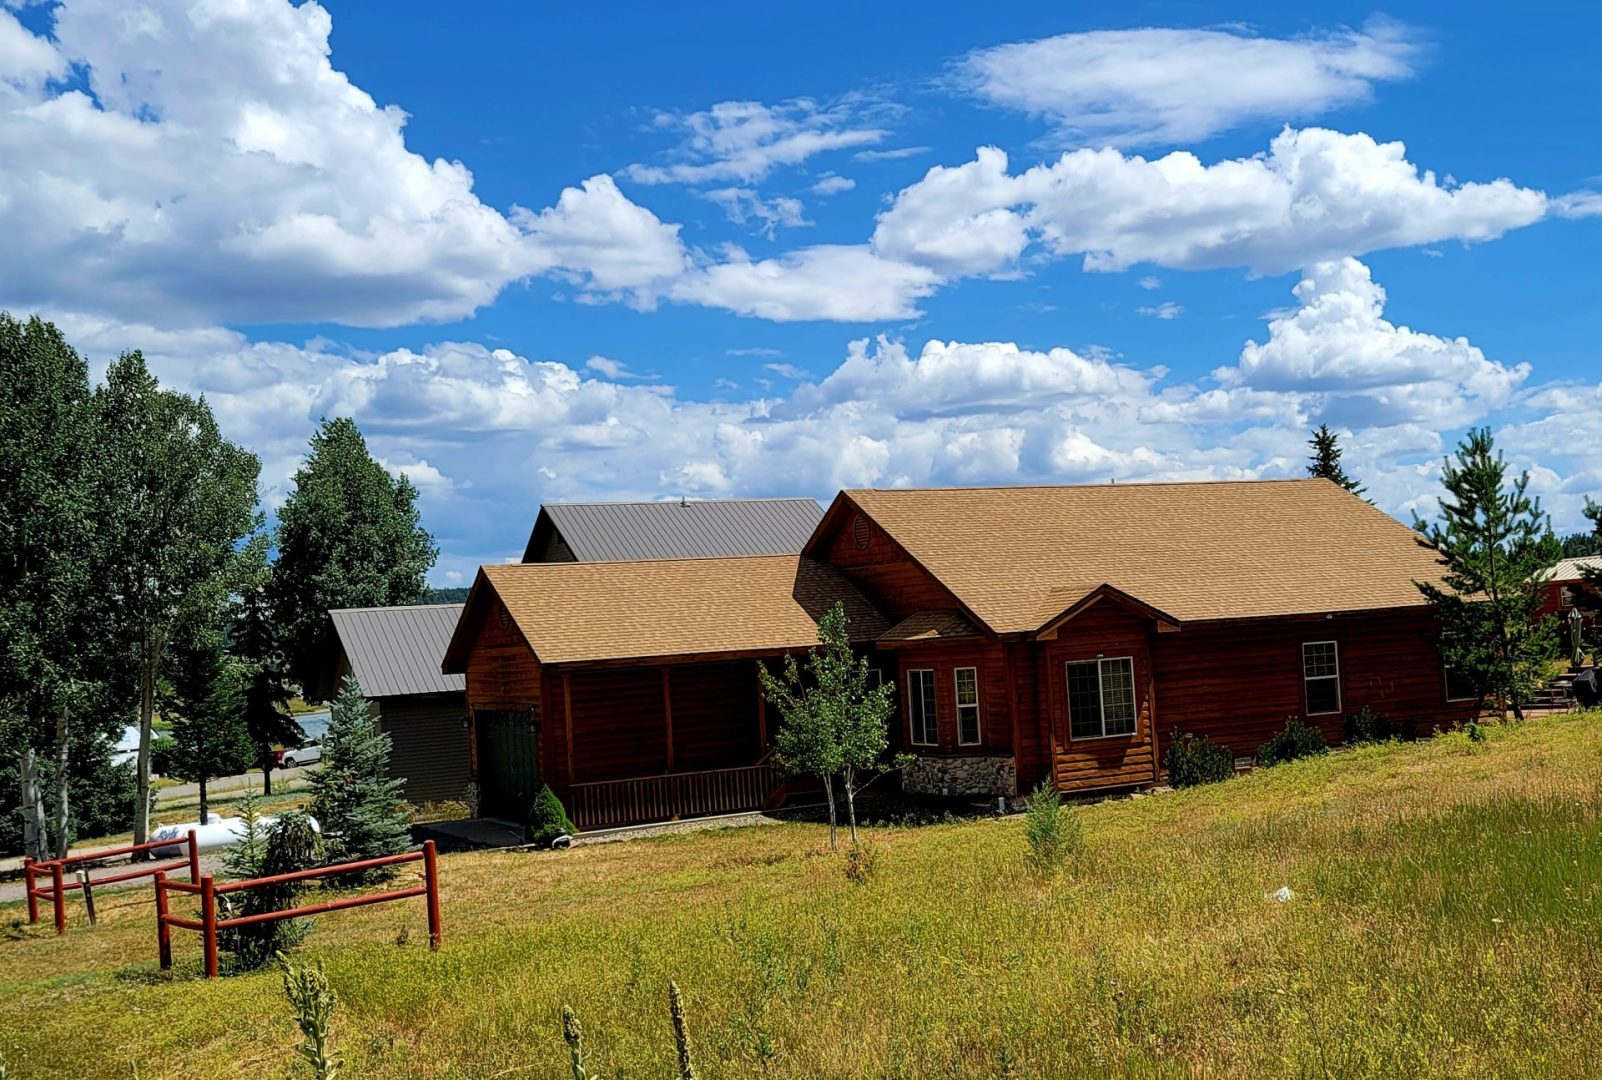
x=445, y=596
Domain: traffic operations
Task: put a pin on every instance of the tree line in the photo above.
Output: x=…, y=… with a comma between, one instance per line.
x=138, y=577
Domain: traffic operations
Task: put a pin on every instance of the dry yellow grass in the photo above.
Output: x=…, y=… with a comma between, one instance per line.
x=1448, y=899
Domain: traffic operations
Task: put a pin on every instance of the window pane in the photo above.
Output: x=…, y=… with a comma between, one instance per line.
x=1459, y=687
x=921, y=704
x=1118, y=696
x=1084, y=700
x=967, y=686
x=1318, y=658
x=1323, y=696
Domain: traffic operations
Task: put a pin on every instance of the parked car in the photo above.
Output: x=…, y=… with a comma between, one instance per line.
x=302, y=755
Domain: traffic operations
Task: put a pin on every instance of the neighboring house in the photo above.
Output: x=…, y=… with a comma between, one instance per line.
x=395, y=654
x=1565, y=588
x=1057, y=633
x=686, y=529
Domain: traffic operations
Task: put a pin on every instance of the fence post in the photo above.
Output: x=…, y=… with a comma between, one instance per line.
x=163, y=931
x=208, y=921
x=431, y=881
x=88, y=894
x=60, y=897
x=194, y=858
x=33, y=901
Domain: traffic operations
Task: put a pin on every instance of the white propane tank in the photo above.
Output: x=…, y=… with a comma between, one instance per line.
x=213, y=835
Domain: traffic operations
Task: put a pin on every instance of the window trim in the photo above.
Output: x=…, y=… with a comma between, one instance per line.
x=1307, y=702
x=957, y=706
x=1101, y=698
x=912, y=718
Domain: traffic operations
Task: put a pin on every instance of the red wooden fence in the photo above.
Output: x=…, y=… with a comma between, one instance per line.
x=56, y=870
x=208, y=890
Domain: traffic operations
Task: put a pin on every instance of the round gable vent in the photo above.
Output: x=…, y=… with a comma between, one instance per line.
x=861, y=531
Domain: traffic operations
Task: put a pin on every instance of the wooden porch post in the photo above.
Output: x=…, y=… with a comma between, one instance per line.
x=667, y=712
x=567, y=723
x=762, y=717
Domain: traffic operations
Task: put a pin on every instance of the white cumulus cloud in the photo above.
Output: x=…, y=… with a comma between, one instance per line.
x=1315, y=195
x=1159, y=85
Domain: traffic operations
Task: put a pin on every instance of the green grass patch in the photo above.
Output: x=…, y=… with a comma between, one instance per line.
x=1444, y=922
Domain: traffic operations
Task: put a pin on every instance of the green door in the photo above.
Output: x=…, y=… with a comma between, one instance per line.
x=508, y=763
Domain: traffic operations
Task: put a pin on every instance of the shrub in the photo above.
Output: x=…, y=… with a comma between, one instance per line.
x=1368, y=726
x=1052, y=829
x=547, y=819
x=1298, y=740
x=1192, y=760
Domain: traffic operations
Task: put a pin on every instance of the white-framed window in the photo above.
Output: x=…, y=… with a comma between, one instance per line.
x=875, y=678
x=966, y=681
x=921, y=707
x=1101, y=697
x=1566, y=596
x=1321, y=675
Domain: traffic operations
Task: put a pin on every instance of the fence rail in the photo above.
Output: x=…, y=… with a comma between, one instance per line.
x=603, y=804
x=209, y=924
x=56, y=870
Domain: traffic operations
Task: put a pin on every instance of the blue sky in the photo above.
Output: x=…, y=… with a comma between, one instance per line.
x=639, y=252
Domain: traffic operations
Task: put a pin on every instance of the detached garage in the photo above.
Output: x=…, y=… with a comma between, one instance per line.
x=395, y=653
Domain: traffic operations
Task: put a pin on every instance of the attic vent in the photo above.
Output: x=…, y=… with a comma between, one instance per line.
x=505, y=616
x=861, y=532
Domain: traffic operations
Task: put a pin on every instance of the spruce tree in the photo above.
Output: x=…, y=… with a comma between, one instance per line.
x=1325, y=460
x=349, y=535
x=359, y=808
x=1493, y=543
x=204, y=697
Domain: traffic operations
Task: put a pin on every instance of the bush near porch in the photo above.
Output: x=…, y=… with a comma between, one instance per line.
x=1446, y=899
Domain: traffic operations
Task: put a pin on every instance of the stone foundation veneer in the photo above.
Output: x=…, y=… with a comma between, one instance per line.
x=961, y=776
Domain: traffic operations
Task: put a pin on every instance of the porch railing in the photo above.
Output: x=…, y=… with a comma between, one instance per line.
x=603, y=804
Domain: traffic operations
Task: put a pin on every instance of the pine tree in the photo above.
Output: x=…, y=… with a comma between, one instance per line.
x=204, y=697
x=254, y=640
x=1493, y=542
x=349, y=535
x=359, y=808
x=1325, y=460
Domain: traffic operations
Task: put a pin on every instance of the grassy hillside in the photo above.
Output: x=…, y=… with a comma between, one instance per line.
x=1448, y=900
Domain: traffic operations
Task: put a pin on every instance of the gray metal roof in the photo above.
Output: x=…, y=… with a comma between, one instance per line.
x=398, y=650
x=1572, y=569
x=712, y=528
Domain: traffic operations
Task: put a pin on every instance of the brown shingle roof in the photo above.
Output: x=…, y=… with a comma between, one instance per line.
x=577, y=612
x=1016, y=556
x=932, y=625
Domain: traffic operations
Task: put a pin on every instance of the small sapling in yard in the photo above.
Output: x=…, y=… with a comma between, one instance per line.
x=1052, y=829
x=573, y=1035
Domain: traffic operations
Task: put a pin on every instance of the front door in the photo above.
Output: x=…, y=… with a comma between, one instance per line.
x=508, y=763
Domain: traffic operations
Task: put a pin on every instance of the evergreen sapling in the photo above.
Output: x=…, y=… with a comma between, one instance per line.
x=358, y=806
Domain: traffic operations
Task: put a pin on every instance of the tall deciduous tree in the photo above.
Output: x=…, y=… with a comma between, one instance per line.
x=254, y=640
x=833, y=723
x=1325, y=461
x=53, y=645
x=175, y=499
x=348, y=536
x=1493, y=542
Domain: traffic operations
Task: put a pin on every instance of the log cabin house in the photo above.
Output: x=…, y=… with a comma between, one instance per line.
x=395, y=652
x=1033, y=633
